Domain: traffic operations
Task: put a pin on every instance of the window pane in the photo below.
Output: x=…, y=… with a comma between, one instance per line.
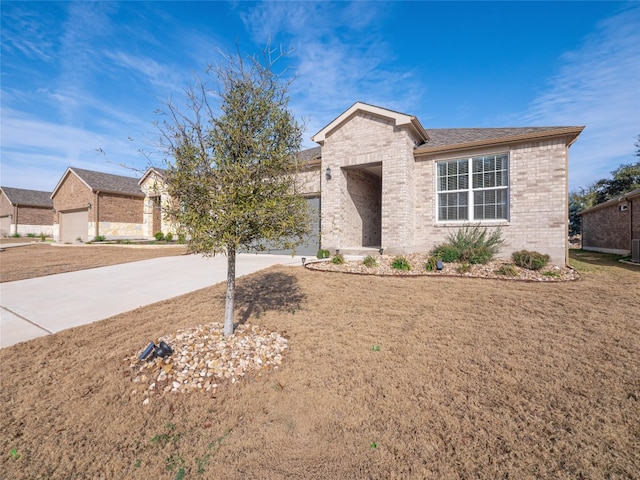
x=463, y=182
x=442, y=169
x=477, y=180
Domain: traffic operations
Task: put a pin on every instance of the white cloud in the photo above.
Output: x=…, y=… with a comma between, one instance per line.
x=338, y=57
x=598, y=86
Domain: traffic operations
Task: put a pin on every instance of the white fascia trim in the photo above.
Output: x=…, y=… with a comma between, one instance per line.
x=400, y=119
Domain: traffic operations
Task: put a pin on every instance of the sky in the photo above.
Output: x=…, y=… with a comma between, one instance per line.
x=82, y=83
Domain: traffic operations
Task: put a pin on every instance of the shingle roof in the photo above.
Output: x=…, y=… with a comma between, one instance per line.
x=450, y=137
x=107, y=182
x=31, y=198
x=309, y=154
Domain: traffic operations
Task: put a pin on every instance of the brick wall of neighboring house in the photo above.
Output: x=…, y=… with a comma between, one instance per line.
x=368, y=140
x=610, y=227
x=607, y=228
x=537, y=199
x=635, y=217
x=5, y=206
x=120, y=208
x=72, y=194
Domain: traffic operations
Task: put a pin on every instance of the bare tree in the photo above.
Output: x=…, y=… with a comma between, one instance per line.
x=233, y=173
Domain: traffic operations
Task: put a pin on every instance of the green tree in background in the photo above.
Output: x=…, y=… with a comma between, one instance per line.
x=624, y=179
x=233, y=176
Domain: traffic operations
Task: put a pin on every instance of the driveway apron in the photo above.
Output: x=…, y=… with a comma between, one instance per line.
x=45, y=305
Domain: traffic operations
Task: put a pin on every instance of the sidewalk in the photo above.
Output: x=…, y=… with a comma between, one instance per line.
x=45, y=305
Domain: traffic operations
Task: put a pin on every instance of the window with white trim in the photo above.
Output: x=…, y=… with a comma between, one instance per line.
x=483, y=197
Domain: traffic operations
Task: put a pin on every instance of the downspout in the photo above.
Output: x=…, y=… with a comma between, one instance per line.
x=97, y=213
x=15, y=218
x=566, y=210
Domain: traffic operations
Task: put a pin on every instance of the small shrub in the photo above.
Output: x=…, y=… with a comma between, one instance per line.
x=400, y=263
x=99, y=238
x=369, y=261
x=464, y=267
x=447, y=253
x=431, y=265
x=338, y=259
x=551, y=273
x=31, y=235
x=182, y=238
x=530, y=260
x=43, y=236
x=473, y=244
x=159, y=236
x=168, y=237
x=508, y=270
x=16, y=235
x=323, y=254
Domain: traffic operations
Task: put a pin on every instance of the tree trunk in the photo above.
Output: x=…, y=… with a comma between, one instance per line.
x=231, y=291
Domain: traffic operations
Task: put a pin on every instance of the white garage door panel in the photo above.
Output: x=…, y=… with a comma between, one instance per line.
x=74, y=225
x=5, y=226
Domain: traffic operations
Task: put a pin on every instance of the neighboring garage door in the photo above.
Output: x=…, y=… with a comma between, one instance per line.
x=74, y=225
x=5, y=226
x=311, y=246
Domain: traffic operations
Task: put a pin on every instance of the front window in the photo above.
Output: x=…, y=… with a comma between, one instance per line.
x=484, y=196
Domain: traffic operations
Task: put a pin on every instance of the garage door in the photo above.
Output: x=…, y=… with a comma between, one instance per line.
x=5, y=226
x=311, y=246
x=74, y=225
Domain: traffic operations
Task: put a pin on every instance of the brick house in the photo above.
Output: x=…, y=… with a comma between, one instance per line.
x=88, y=204
x=610, y=226
x=156, y=199
x=25, y=212
x=388, y=182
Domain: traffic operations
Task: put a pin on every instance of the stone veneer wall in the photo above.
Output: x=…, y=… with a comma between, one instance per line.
x=537, y=199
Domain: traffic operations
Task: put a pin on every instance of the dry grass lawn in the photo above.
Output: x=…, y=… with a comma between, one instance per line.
x=38, y=259
x=385, y=378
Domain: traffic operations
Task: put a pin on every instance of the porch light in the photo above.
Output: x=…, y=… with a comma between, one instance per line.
x=88, y=204
x=328, y=173
x=337, y=251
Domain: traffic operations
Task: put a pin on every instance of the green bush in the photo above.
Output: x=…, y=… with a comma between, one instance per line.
x=182, y=238
x=31, y=235
x=369, y=261
x=338, y=259
x=447, y=253
x=168, y=237
x=471, y=244
x=99, y=238
x=16, y=235
x=530, y=260
x=43, y=236
x=508, y=270
x=432, y=264
x=323, y=254
x=159, y=236
x=400, y=263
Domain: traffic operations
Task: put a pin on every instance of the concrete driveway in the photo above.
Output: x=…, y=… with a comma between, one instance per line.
x=45, y=305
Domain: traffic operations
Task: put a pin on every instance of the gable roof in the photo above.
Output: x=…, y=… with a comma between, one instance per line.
x=400, y=119
x=27, y=198
x=625, y=197
x=161, y=172
x=103, y=182
x=443, y=139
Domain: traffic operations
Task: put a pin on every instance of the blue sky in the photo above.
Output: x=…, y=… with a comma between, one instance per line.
x=81, y=82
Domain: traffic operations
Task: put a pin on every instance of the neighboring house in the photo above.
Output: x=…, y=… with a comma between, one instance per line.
x=610, y=226
x=25, y=212
x=387, y=182
x=88, y=204
x=156, y=200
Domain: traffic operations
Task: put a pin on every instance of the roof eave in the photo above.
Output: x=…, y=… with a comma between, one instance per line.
x=571, y=132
